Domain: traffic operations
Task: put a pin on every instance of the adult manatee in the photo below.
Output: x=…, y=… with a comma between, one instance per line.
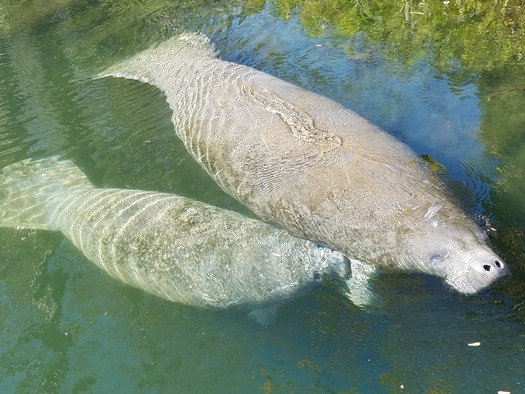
x=313, y=167
x=170, y=246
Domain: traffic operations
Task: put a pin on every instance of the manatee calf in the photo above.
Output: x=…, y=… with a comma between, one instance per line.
x=307, y=164
x=170, y=246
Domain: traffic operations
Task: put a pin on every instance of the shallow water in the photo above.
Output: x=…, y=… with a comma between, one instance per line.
x=68, y=327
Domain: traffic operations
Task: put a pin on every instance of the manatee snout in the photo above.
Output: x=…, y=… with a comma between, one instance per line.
x=491, y=267
x=482, y=270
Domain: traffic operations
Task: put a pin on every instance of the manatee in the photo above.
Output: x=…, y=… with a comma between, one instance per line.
x=173, y=247
x=307, y=164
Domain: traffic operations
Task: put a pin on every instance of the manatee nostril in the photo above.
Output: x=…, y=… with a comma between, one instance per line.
x=486, y=267
x=498, y=264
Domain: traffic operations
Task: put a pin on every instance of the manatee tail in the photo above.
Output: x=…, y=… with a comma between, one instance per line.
x=27, y=186
x=145, y=65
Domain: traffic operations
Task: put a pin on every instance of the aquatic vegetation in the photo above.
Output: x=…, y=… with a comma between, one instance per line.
x=480, y=35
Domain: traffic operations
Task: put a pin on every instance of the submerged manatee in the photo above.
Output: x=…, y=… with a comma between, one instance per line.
x=170, y=246
x=309, y=165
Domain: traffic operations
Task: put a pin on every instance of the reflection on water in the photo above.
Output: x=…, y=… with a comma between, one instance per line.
x=67, y=327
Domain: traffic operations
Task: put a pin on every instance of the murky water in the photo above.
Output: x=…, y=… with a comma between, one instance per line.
x=65, y=326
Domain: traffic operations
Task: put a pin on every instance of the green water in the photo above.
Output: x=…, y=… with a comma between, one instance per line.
x=65, y=326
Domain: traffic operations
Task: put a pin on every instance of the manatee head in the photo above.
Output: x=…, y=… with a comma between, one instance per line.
x=457, y=252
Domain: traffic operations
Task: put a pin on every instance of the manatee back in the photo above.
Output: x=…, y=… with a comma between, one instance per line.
x=173, y=247
x=297, y=159
x=186, y=251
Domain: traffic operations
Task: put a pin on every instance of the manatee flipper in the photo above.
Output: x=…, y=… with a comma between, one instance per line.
x=25, y=186
x=360, y=290
x=264, y=315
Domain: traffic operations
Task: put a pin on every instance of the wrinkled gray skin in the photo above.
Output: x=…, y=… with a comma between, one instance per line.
x=315, y=168
x=170, y=246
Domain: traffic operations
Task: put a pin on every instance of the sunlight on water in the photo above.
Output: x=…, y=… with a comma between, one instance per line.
x=68, y=327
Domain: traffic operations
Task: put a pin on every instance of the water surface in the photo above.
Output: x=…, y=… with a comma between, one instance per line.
x=65, y=326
